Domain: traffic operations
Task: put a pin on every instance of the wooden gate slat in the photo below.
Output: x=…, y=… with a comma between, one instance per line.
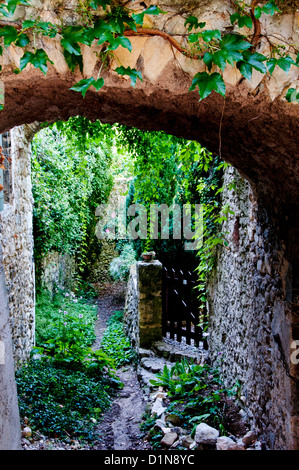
x=180, y=306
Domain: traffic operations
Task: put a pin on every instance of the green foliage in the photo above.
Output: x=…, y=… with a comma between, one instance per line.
x=70, y=177
x=63, y=307
x=120, y=267
x=66, y=384
x=115, y=343
x=60, y=402
x=213, y=46
x=196, y=394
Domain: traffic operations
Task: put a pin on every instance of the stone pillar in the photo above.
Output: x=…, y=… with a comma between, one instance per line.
x=149, y=275
x=10, y=428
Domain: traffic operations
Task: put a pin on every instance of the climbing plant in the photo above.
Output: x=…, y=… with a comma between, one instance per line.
x=70, y=177
x=116, y=24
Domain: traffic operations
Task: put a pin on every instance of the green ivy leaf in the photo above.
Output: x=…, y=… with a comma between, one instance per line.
x=194, y=37
x=218, y=58
x=123, y=41
x=9, y=33
x=73, y=60
x=210, y=34
x=12, y=5
x=22, y=40
x=83, y=85
x=39, y=60
x=152, y=10
x=206, y=83
x=285, y=63
x=256, y=61
x=292, y=95
x=99, y=83
x=270, y=8
x=99, y=3
x=193, y=22
x=234, y=43
x=245, y=69
x=257, y=12
x=271, y=64
x=132, y=73
x=243, y=20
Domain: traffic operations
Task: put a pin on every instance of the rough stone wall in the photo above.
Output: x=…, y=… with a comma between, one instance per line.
x=249, y=305
x=17, y=245
x=143, y=306
x=131, y=317
x=57, y=271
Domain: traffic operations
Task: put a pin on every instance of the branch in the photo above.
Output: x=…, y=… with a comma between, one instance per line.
x=167, y=37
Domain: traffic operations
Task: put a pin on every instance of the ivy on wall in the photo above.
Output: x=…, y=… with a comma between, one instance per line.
x=116, y=24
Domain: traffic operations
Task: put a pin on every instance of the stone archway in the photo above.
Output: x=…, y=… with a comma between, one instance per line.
x=256, y=131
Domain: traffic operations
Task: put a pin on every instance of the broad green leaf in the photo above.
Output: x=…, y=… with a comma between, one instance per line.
x=96, y=3
x=99, y=83
x=257, y=12
x=22, y=40
x=270, y=8
x=194, y=37
x=28, y=24
x=12, y=5
x=243, y=20
x=192, y=22
x=132, y=73
x=206, y=83
x=285, y=63
x=218, y=58
x=234, y=43
x=152, y=10
x=292, y=95
x=9, y=33
x=210, y=34
x=123, y=41
x=39, y=60
x=245, y=69
x=83, y=85
x=256, y=61
x=101, y=27
x=71, y=47
x=73, y=60
x=271, y=64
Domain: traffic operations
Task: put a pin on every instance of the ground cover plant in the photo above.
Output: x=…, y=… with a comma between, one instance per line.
x=195, y=394
x=66, y=387
x=115, y=343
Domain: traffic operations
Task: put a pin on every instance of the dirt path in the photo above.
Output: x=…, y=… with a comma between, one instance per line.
x=119, y=428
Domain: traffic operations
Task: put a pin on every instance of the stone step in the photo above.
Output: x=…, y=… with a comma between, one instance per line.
x=176, y=353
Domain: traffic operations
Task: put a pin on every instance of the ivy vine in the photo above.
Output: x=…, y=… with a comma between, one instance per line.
x=116, y=24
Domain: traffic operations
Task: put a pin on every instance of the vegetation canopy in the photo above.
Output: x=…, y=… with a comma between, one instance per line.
x=109, y=24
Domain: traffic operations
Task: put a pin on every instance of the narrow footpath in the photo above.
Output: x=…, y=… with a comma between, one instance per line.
x=120, y=427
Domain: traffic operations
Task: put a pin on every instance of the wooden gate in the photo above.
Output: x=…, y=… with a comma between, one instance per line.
x=181, y=313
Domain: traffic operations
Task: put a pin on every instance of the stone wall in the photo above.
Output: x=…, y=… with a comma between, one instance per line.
x=249, y=305
x=143, y=306
x=17, y=245
x=57, y=271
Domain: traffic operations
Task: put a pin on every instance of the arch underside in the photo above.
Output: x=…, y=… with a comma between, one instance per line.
x=255, y=135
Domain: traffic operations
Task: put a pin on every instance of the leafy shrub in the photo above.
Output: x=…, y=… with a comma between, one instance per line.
x=60, y=402
x=115, y=343
x=120, y=267
x=64, y=307
x=196, y=394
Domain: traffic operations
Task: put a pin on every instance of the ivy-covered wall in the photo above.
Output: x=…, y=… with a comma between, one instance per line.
x=250, y=308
